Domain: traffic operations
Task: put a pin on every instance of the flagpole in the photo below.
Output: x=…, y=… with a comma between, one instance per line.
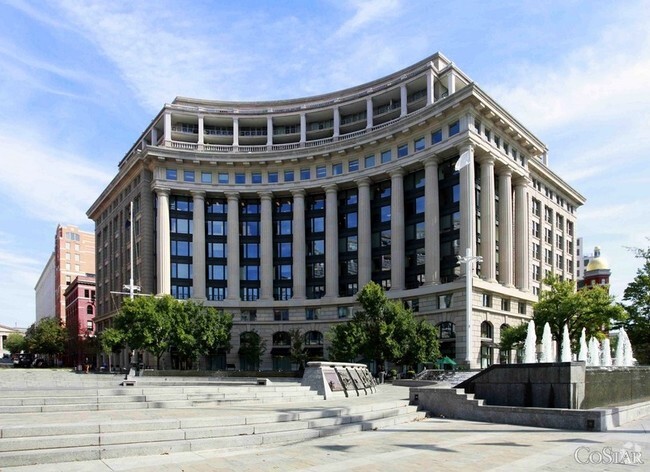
x=131, y=287
x=468, y=259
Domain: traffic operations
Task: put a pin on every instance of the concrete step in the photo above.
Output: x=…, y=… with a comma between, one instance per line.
x=22, y=445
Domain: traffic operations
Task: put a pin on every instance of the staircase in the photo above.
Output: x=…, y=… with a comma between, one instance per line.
x=79, y=424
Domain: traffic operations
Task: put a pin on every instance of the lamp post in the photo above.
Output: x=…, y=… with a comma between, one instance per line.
x=468, y=259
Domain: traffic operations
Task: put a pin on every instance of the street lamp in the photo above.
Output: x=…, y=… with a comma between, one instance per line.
x=468, y=259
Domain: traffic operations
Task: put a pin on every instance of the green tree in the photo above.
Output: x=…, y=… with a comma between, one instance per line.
x=110, y=340
x=383, y=330
x=48, y=336
x=251, y=349
x=637, y=303
x=146, y=323
x=211, y=329
x=15, y=343
x=591, y=308
x=297, y=353
x=513, y=337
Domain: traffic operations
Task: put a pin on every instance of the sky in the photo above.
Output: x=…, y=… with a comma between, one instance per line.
x=81, y=79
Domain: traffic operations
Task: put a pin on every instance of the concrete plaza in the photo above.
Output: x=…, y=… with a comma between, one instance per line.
x=426, y=444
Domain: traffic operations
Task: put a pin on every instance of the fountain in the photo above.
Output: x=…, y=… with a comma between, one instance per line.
x=628, y=357
x=623, y=350
x=606, y=353
x=593, y=357
x=530, y=347
x=547, y=345
x=582, y=353
x=566, y=345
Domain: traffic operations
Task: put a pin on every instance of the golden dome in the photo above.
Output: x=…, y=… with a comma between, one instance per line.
x=598, y=262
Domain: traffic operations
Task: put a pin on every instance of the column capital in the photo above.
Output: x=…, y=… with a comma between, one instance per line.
x=162, y=190
x=465, y=146
x=265, y=195
x=486, y=159
x=521, y=181
x=397, y=172
x=504, y=171
x=433, y=159
x=232, y=195
x=363, y=182
x=298, y=192
x=198, y=193
x=330, y=188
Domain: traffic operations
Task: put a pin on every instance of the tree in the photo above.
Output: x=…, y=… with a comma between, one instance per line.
x=146, y=323
x=637, y=296
x=110, y=340
x=48, y=336
x=15, y=343
x=591, y=308
x=297, y=353
x=513, y=337
x=251, y=349
x=211, y=329
x=383, y=330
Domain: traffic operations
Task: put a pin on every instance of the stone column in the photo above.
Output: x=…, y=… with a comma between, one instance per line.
x=451, y=83
x=522, y=264
x=369, y=112
x=168, y=128
x=163, y=260
x=331, y=243
x=430, y=87
x=266, y=246
x=364, y=245
x=505, y=228
x=397, y=248
x=431, y=222
x=303, y=129
x=403, y=100
x=337, y=122
x=233, y=245
x=488, y=220
x=198, y=246
x=201, y=129
x=269, y=131
x=235, y=132
x=299, y=245
x=467, y=206
x=154, y=136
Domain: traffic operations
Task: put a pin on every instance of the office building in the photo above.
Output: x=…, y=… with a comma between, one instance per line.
x=279, y=212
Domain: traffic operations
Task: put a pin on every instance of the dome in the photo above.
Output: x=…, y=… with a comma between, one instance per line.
x=597, y=263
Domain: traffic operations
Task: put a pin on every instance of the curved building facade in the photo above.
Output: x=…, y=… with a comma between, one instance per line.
x=279, y=212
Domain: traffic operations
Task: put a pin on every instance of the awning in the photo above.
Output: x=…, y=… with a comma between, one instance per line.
x=281, y=351
x=445, y=360
x=489, y=344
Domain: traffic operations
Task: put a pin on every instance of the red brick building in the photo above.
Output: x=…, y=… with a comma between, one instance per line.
x=79, y=316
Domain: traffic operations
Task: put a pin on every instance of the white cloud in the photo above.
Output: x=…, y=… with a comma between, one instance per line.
x=47, y=183
x=368, y=12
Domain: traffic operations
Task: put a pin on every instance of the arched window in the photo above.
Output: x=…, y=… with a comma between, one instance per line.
x=486, y=330
x=447, y=338
x=446, y=330
x=505, y=357
x=313, y=338
x=89, y=310
x=250, y=350
x=281, y=338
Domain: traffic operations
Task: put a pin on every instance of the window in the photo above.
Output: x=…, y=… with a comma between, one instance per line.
x=505, y=304
x=486, y=330
x=240, y=178
x=312, y=314
x=487, y=300
x=548, y=256
x=536, y=251
x=536, y=207
x=337, y=169
x=369, y=161
x=283, y=227
x=535, y=228
x=250, y=228
x=418, y=144
x=272, y=177
x=454, y=128
x=280, y=315
x=412, y=304
x=321, y=172
x=288, y=176
x=522, y=308
x=206, y=177
x=344, y=312
x=248, y=315
x=89, y=324
x=548, y=235
x=284, y=249
x=223, y=177
x=536, y=272
x=214, y=249
x=444, y=301
x=402, y=151
x=385, y=214
x=283, y=272
x=559, y=241
x=436, y=136
x=188, y=176
x=304, y=174
x=171, y=174
x=256, y=177
x=353, y=165
x=446, y=330
x=385, y=156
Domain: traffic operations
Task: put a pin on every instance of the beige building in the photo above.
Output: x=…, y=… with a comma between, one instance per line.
x=74, y=255
x=280, y=212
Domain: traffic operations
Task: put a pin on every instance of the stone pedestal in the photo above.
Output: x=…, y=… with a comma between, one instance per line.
x=339, y=379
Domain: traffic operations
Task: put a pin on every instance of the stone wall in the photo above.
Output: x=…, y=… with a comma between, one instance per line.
x=613, y=386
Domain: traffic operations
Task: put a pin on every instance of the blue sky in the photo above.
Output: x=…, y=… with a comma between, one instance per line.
x=80, y=80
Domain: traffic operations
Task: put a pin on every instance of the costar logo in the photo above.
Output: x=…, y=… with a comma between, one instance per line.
x=629, y=454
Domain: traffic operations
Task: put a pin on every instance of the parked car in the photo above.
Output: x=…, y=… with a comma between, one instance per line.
x=23, y=360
